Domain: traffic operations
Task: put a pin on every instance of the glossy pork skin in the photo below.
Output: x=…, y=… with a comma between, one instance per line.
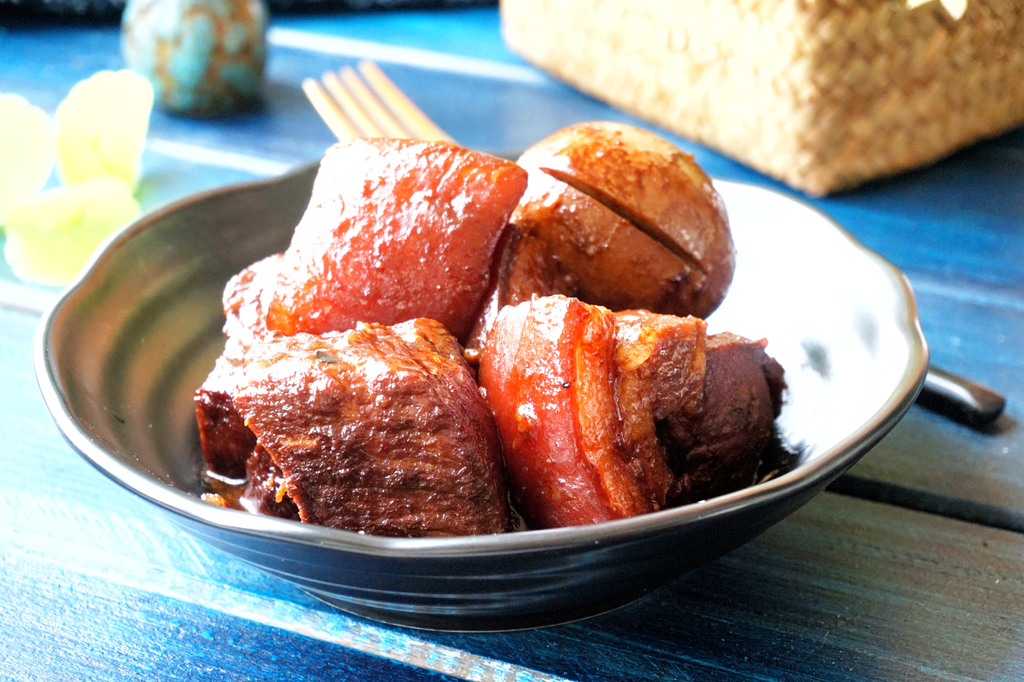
x=395, y=230
x=378, y=429
x=543, y=370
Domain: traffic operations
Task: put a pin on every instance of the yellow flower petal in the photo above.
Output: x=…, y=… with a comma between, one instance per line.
x=102, y=125
x=28, y=147
x=51, y=236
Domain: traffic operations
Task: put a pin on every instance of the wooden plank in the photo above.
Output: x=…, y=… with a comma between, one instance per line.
x=952, y=223
x=920, y=499
x=842, y=590
x=459, y=32
x=57, y=624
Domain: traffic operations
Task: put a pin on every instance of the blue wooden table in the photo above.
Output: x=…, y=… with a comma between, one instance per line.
x=911, y=567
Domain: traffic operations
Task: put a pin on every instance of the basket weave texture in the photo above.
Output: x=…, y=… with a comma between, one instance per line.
x=821, y=94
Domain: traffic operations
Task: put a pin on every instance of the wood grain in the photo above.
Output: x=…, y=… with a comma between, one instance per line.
x=843, y=590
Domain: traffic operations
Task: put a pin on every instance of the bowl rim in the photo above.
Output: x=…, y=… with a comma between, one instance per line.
x=809, y=475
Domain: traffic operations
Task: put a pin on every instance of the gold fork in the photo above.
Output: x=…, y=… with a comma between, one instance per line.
x=368, y=106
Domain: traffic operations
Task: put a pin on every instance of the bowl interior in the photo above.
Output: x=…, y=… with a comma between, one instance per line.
x=840, y=319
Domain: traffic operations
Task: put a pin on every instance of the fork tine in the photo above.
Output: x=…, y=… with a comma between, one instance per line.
x=373, y=107
x=328, y=110
x=351, y=108
x=417, y=123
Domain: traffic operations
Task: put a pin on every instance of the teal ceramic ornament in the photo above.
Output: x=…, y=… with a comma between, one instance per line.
x=203, y=57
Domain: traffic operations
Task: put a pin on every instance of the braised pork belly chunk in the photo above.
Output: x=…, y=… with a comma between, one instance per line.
x=448, y=332
x=379, y=429
x=395, y=230
x=583, y=397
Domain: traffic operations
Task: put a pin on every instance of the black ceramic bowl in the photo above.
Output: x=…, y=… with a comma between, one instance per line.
x=120, y=355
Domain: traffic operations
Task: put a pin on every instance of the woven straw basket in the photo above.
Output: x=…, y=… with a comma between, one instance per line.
x=821, y=94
